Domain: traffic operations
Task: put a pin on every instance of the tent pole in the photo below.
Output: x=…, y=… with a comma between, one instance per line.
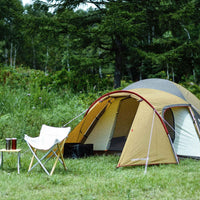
x=195, y=122
x=75, y=118
x=147, y=159
x=170, y=140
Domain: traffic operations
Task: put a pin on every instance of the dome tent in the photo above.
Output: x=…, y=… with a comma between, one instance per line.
x=152, y=121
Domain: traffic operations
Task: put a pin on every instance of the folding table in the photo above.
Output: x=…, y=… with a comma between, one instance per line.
x=11, y=151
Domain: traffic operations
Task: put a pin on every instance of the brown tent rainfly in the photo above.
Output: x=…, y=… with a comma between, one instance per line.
x=153, y=121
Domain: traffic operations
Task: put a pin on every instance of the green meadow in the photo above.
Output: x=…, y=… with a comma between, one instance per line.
x=97, y=177
x=27, y=102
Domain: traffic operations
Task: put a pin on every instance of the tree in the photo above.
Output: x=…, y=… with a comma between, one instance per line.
x=130, y=39
x=176, y=45
x=107, y=24
x=10, y=27
x=36, y=29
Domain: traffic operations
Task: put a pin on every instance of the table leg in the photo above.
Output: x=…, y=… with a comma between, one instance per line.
x=1, y=161
x=18, y=162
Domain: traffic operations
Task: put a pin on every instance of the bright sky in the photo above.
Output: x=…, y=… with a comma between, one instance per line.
x=26, y=2
x=85, y=7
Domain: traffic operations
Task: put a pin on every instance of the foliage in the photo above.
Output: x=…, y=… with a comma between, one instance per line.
x=80, y=82
x=37, y=80
x=128, y=40
x=192, y=87
x=22, y=112
x=29, y=98
x=21, y=77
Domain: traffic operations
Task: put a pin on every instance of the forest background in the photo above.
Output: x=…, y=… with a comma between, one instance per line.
x=55, y=58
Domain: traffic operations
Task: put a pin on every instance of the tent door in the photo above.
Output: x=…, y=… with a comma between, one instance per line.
x=187, y=142
x=123, y=121
x=170, y=124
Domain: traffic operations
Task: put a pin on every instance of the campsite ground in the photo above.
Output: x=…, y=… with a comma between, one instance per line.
x=26, y=105
x=97, y=178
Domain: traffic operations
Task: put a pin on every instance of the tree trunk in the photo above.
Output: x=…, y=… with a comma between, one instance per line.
x=34, y=65
x=118, y=62
x=15, y=56
x=11, y=51
x=6, y=56
x=117, y=78
x=194, y=75
x=167, y=71
x=173, y=74
x=140, y=68
x=100, y=72
x=47, y=58
x=68, y=66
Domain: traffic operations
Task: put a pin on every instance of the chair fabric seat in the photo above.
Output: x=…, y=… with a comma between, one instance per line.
x=48, y=137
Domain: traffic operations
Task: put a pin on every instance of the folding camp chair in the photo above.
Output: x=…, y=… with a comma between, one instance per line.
x=51, y=141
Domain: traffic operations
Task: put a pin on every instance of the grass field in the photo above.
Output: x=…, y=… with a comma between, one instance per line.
x=25, y=105
x=96, y=177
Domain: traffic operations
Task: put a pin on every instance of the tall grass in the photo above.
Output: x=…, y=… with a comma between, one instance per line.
x=29, y=98
x=24, y=111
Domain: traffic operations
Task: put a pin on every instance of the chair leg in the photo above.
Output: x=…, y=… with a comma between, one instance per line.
x=54, y=166
x=31, y=163
x=59, y=155
x=37, y=159
x=54, y=153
